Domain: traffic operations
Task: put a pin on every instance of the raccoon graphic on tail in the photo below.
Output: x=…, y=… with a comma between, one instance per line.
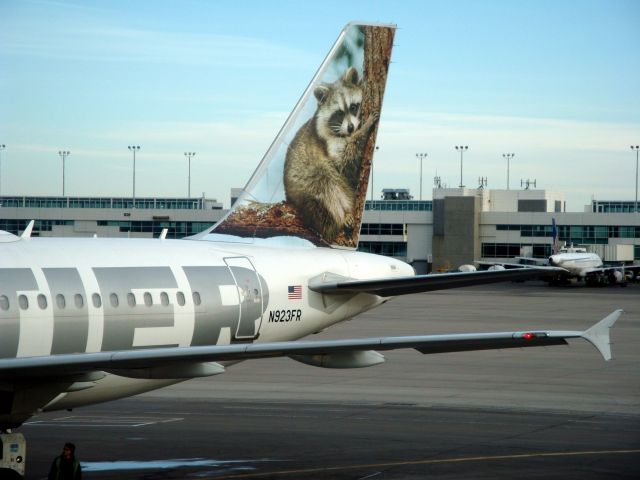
x=312, y=182
x=323, y=162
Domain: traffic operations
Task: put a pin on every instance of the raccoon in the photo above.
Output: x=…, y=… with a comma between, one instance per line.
x=321, y=171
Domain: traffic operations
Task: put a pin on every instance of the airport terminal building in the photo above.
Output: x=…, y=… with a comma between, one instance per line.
x=458, y=226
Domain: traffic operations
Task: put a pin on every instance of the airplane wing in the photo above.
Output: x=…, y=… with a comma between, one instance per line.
x=426, y=283
x=616, y=268
x=154, y=362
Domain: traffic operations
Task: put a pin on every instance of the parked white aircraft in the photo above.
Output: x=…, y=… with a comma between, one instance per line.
x=570, y=262
x=91, y=320
x=576, y=262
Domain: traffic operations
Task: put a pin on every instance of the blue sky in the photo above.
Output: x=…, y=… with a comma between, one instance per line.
x=555, y=82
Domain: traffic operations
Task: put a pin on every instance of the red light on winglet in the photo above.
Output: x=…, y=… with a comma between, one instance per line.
x=529, y=336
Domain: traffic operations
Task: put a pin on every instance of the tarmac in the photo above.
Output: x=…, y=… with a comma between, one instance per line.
x=554, y=412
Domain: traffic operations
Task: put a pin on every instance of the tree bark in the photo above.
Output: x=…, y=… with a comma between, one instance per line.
x=378, y=42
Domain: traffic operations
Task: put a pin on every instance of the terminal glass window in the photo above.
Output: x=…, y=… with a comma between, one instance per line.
x=389, y=249
x=510, y=250
x=382, y=229
x=399, y=205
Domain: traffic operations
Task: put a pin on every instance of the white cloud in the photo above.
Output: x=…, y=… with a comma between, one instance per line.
x=97, y=42
x=576, y=157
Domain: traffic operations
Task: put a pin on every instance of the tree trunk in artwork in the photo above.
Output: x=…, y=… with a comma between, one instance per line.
x=377, y=56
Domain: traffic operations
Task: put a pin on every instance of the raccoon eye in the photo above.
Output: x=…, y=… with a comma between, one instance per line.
x=353, y=108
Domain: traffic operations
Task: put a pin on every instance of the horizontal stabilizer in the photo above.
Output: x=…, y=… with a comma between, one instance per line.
x=387, y=287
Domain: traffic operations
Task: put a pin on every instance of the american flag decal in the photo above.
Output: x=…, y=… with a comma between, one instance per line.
x=294, y=292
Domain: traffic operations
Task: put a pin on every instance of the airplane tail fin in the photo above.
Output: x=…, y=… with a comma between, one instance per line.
x=310, y=186
x=555, y=248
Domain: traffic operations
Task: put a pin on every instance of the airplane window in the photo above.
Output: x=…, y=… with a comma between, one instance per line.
x=148, y=301
x=113, y=298
x=42, y=301
x=23, y=301
x=164, y=299
x=4, y=302
x=131, y=299
x=78, y=300
x=60, y=301
x=180, y=298
x=97, y=301
x=196, y=298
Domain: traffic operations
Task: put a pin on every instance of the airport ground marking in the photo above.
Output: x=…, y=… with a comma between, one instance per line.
x=101, y=421
x=425, y=462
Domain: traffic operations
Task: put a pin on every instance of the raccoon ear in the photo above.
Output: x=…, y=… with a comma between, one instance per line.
x=351, y=75
x=321, y=92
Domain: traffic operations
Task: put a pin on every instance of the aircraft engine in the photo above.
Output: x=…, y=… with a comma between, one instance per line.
x=496, y=267
x=350, y=359
x=616, y=277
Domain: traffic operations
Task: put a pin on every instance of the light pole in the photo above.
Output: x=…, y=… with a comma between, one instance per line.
x=421, y=156
x=63, y=154
x=189, y=155
x=2, y=147
x=636, y=148
x=462, y=149
x=508, y=156
x=133, y=149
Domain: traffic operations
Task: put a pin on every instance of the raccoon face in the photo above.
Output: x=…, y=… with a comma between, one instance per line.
x=339, y=103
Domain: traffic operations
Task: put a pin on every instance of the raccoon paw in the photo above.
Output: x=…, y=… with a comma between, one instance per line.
x=349, y=221
x=372, y=120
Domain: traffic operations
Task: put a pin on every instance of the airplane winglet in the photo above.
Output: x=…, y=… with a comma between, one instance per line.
x=598, y=335
x=27, y=231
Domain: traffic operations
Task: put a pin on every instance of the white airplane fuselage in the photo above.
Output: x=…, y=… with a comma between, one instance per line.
x=90, y=295
x=578, y=264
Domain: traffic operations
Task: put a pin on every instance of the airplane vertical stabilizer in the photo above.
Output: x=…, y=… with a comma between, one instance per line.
x=312, y=182
x=555, y=248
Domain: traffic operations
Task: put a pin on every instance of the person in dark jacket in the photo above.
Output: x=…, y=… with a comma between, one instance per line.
x=66, y=466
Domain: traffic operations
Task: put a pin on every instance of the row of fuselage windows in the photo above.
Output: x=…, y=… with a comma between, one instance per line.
x=78, y=300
